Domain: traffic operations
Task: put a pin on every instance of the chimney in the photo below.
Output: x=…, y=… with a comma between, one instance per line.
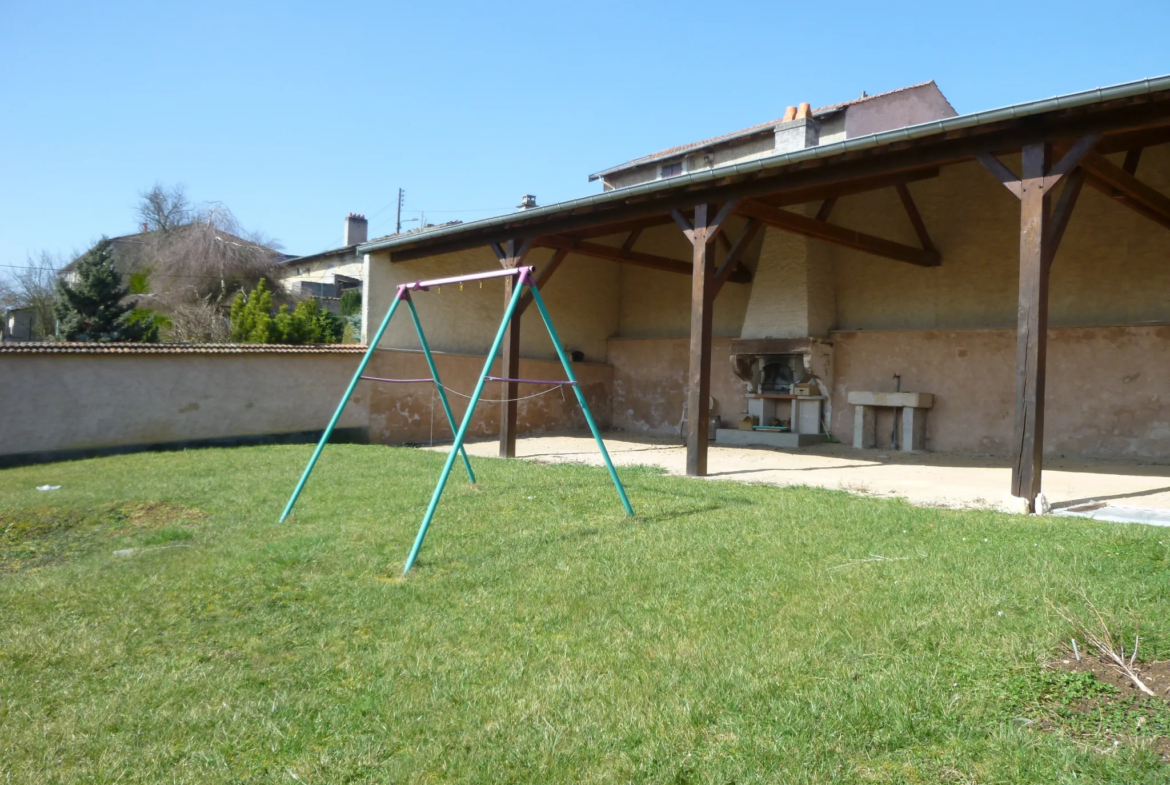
x=798, y=130
x=357, y=229
x=145, y=227
x=527, y=202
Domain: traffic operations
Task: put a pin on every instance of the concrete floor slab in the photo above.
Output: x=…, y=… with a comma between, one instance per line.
x=934, y=479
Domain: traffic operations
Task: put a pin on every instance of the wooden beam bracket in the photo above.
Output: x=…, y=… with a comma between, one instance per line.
x=1107, y=177
x=848, y=238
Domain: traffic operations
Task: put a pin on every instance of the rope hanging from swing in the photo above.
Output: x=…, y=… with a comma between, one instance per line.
x=529, y=381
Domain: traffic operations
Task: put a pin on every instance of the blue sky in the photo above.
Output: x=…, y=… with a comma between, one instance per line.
x=293, y=114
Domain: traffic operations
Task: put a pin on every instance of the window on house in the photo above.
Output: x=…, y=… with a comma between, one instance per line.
x=671, y=170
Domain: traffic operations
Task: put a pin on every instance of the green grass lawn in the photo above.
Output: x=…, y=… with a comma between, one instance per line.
x=727, y=633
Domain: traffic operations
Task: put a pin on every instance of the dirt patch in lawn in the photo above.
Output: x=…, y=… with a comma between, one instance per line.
x=35, y=537
x=1095, y=703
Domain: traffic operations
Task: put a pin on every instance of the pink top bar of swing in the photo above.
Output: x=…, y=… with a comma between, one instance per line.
x=501, y=273
x=396, y=381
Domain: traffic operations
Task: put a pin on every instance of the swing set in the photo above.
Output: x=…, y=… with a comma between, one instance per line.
x=524, y=278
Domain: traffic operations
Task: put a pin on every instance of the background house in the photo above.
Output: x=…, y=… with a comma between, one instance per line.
x=327, y=274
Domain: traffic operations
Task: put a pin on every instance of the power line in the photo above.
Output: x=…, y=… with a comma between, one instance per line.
x=150, y=275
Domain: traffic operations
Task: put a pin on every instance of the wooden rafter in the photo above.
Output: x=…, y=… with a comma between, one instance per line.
x=861, y=185
x=1063, y=211
x=542, y=278
x=1132, y=158
x=1107, y=177
x=1070, y=160
x=818, y=230
x=620, y=227
x=628, y=245
x=914, y=216
x=637, y=258
x=734, y=259
x=512, y=252
x=1130, y=140
x=826, y=209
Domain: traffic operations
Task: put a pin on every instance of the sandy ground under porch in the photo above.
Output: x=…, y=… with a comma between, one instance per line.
x=928, y=478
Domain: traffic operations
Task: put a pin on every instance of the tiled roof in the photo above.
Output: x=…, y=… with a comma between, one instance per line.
x=78, y=347
x=746, y=131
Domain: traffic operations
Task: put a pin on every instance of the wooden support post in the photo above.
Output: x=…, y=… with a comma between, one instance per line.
x=1032, y=326
x=699, y=374
x=511, y=254
x=1039, y=236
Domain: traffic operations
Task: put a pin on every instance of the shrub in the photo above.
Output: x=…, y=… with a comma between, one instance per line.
x=252, y=321
x=351, y=302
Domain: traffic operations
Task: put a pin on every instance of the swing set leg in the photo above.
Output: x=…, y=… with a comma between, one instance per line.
x=552, y=333
x=438, y=385
x=344, y=400
x=462, y=434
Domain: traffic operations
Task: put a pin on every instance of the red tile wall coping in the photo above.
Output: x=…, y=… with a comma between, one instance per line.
x=63, y=347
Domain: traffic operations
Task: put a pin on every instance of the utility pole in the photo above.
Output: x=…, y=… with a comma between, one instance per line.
x=398, y=222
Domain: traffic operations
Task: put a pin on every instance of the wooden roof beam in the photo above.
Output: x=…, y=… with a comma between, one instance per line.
x=1105, y=176
x=636, y=258
x=848, y=238
x=734, y=260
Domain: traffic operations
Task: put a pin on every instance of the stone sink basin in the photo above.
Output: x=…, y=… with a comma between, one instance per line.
x=899, y=399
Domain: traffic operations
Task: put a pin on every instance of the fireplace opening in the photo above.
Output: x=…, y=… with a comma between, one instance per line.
x=778, y=373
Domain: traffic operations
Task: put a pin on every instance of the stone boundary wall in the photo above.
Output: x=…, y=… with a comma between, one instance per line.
x=56, y=404
x=61, y=401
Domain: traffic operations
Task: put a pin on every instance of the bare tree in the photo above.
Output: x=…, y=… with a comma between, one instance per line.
x=164, y=209
x=209, y=260
x=34, y=286
x=197, y=322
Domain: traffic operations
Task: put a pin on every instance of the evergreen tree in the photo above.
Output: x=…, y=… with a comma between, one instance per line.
x=91, y=308
x=251, y=317
x=252, y=321
x=351, y=302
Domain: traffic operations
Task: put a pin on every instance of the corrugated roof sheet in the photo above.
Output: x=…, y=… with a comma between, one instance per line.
x=78, y=347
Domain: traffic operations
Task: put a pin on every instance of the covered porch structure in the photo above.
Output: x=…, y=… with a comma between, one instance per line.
x=926, y=252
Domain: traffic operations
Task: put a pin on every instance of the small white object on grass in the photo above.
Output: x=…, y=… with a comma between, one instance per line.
x=48, y=487
x=1043, y=507
x=1014, y=504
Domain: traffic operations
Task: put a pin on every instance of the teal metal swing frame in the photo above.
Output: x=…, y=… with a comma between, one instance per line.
x=524, y=278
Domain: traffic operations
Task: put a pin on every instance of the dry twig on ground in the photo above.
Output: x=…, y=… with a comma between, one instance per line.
x=1100, y=638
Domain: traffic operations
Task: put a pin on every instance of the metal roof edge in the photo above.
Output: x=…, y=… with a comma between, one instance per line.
x=907, y=133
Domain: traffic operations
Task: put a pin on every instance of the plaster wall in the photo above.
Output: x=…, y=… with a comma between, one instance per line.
x=656, y=304
x=86, y=401
x=650, y=378
x=907, y=107
x=582, y=299
x=1108, y=388
x=792, y=294
x=1113, y=266
x=323, y=271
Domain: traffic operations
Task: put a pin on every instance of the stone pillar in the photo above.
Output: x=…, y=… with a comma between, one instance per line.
x=864, y=428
